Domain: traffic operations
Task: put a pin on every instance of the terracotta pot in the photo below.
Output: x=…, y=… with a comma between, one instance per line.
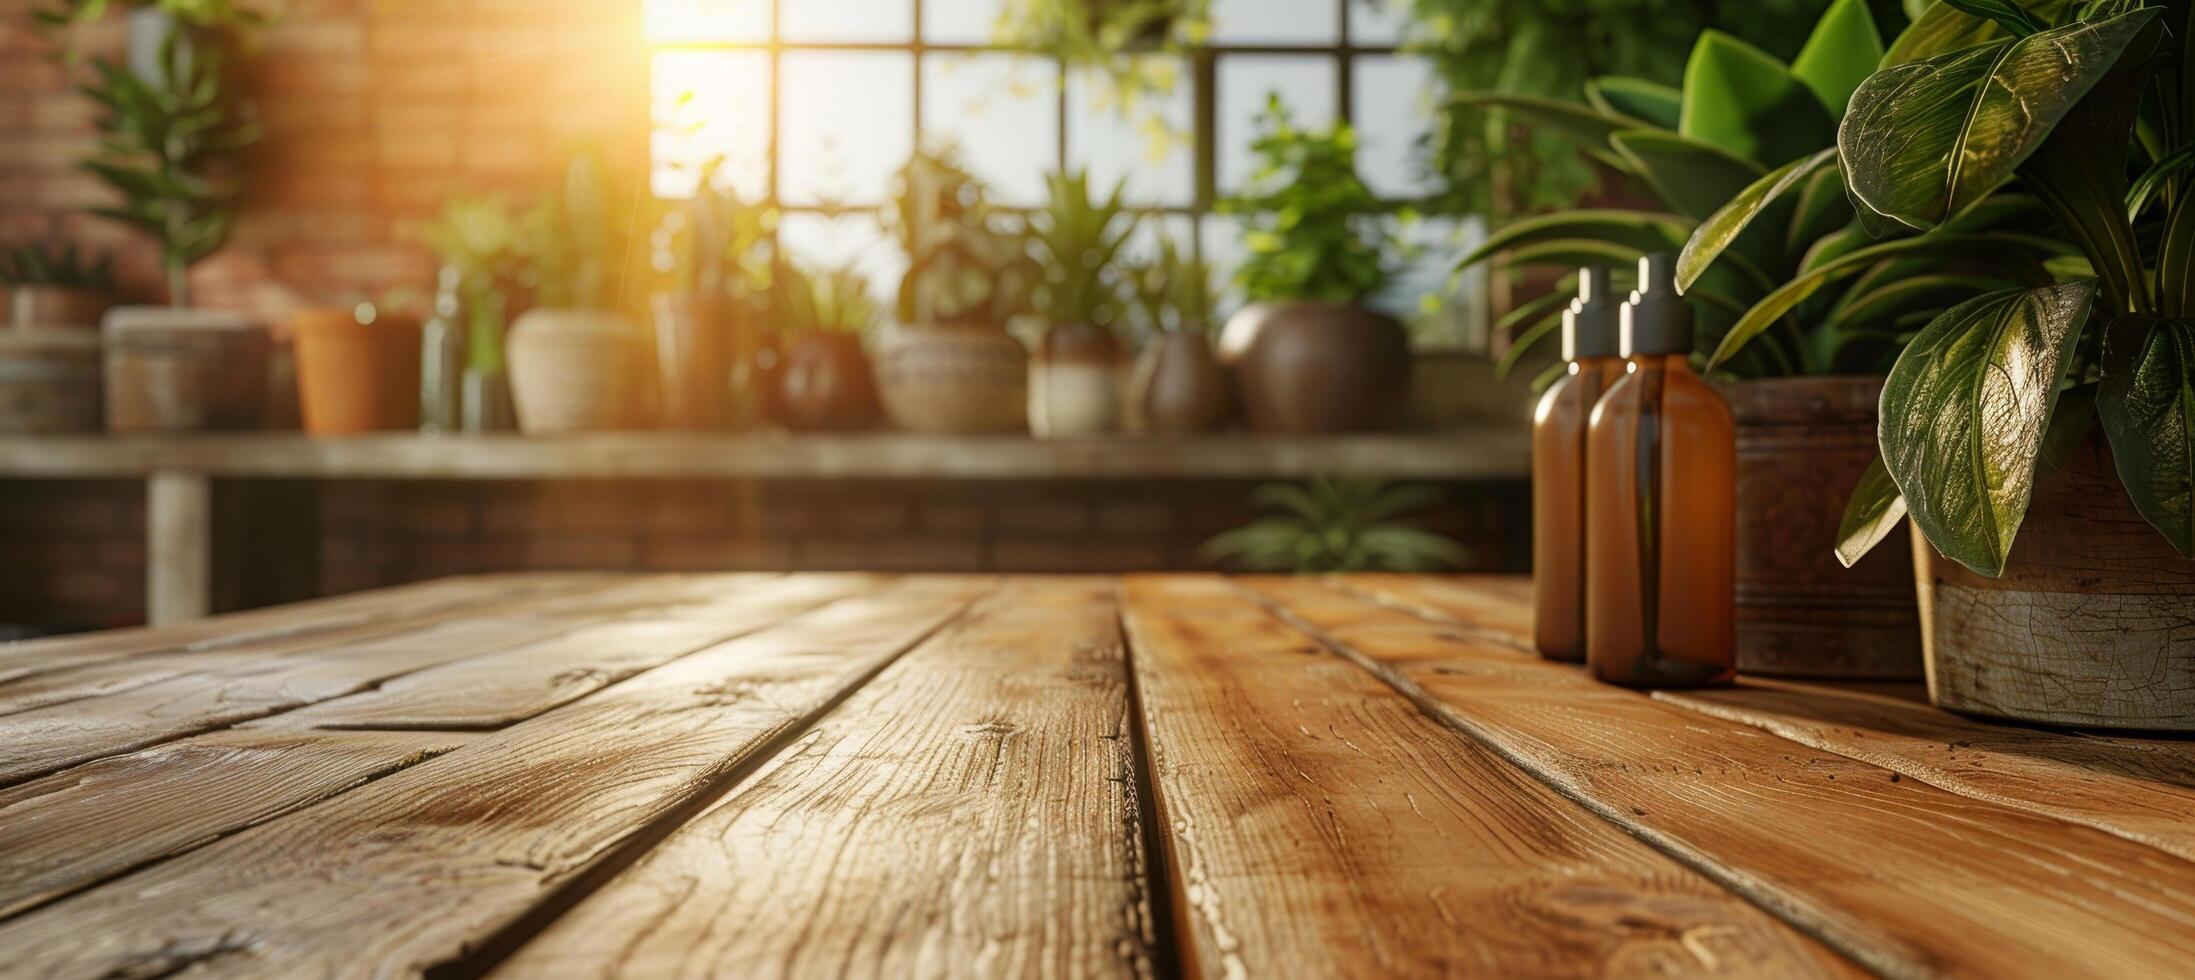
x=1310, y=368
x=356, y=377
x=49, y=381
x=171, y=370
x=1074, y=382
x=1178, y=387
x=824, y=382
x=949, y=380
x=693, y=360
x=1802, y=445
x=56, y=306
x=571, y=370
x=2092, y=623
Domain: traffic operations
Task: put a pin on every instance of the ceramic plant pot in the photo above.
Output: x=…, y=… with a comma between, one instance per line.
x=824, y=383
x=1178, y=388
x=49, y=381
x=171, y=370
x=693, y=361
x=571, y=371
x=1308, y=368
x=356, y=377
x=2092, y=623
x=953, y=379
x=56, y=306
x=1802, y=445
x=1074, y=382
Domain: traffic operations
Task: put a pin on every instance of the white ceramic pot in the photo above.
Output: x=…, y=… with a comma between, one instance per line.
x=571, y=370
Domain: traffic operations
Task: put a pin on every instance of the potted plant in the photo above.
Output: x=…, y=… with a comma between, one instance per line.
x=2043, y=597
x=1336, y=525
x=1074, y=382
x=1178, y=387
x=712, y=249
x=463, y=382
x=1308, y=355
x=572, y=355
x=948, y=365
x=823, y=380
x=50, y=285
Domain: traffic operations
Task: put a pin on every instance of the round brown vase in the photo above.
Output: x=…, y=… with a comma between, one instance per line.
x=171, y=370
x=1074, y=382
x=1802, y=445
x=571, y=370
x=953, y=380
x=693, y=360
x=56, y=306
x=824, y=383
x=49, y=381
x=1310, y=368
x=356, y=377
x=2092, y=623
x=1178, y=388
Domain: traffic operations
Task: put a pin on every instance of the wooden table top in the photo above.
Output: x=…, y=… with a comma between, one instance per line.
x=820, y=775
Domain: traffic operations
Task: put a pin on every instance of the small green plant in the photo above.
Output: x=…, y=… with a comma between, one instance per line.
x=478, y=236
x=1173, y=292
x=968, y=263
x=1315, y=230
x=831, y=298
x=1336, y=525
x=56, y=264
x=1077, y=241
x=716, y=244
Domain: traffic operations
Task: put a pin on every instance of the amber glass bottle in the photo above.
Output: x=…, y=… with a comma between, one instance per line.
x=1661, y=509
x=1591, y=345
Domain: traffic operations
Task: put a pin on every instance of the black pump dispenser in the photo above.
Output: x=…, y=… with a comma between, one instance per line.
x=1590, y=327
x=1657, y=321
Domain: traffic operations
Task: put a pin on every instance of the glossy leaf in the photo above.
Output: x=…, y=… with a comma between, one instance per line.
x=1965, y=410
x=1843, y=50
x=1724, y=226
x=1821, y=209
x=1873, y=511
x=1908, y=294
x=1690, y=177
x=1743, y=101
x=2147, y=405
x=1655, y=103
x=1642, y=230
x=2175, y=163
x=1924, y=141
x=2008, y=15
x=1943, y=28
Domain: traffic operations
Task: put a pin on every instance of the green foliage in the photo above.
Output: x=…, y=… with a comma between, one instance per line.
x=717, y=244
x=1173, y=292
x=1077, y=242
x=1109, y=38
x=169, y=146
x=968, y=263
x=1336, y=525
x=1314, y=225
x=480, y=236
x=55, y=264
x=833, y=298
x=570, y=245
x=197, y=13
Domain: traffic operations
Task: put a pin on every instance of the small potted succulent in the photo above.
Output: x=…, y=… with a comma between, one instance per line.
x=49, y=360
x=1178, y=387
x=51, y=285
x=572, y=356
x=1307, y=353
x=1074, y=382
x=824, y=380
x=948, y=365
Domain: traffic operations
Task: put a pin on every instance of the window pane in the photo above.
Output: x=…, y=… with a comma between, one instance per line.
x=709, y=20
x=846, y=122
x=1149, y=143
x=1308, y=22
x=1002, y=111
x=1393, y=110
x=1305, y=84
x=1222, y=240
x=1445, y=310
x=849, y=20
x=709, y=104
x=959, y=21
x=1377, y=23
x=855, y=240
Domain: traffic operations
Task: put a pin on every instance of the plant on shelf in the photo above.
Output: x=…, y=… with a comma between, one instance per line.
x=50, y=284
x=714, y=249
x=824, y=381
x=1112, y=39
x=1172, y=293
x=1336, y=525
x=572, y=355
x=830, y=299
x=1177, y=387
x=476, y=236
x=1082, y=291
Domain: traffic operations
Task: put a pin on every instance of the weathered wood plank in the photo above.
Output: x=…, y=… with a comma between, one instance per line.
x=2142, y=789
x=1907, y=878
x=971, y=811
x=1498, y=606
x=414, y=869
x=1320, y=825
x=72, y=830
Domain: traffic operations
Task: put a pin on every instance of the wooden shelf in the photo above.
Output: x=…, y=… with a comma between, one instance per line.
x=1483, y=453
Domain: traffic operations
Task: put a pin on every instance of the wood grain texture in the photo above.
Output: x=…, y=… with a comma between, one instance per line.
x=2142, y=789
x=1320, y=825
x=970, y=812
x=75, y=829
x=1495, y=607
x=1909, y=879
x=422, y=866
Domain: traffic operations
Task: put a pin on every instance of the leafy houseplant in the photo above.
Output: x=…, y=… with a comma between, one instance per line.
x=1177, y=387
x=571, y=356
x=1074, y=385
x=705, y=327
x=824, y=380
x=1337, y=525
x=51, y=284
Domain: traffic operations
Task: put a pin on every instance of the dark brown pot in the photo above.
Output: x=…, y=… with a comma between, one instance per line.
x=49, y=381
x=2092, y=623
x=825, y=383
x=56, y=306
x=1178, y=388
x=1802, y=445
x=1311, y=367
x=170, y=370
x=1075, y=382
x=693, y=360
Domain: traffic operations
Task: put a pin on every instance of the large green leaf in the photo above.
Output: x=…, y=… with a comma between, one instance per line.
x=1742, y=100
x=1965, y=410
x=2010, y=16
x=2147, y=404
x=1692, y=178
x=1725, y=225
x=1943, y=28
x=1873, y=511
x=2173, y=164
x=1642, y=230
x=1843, y=50
x=1924, y=141
x=1637, y=98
